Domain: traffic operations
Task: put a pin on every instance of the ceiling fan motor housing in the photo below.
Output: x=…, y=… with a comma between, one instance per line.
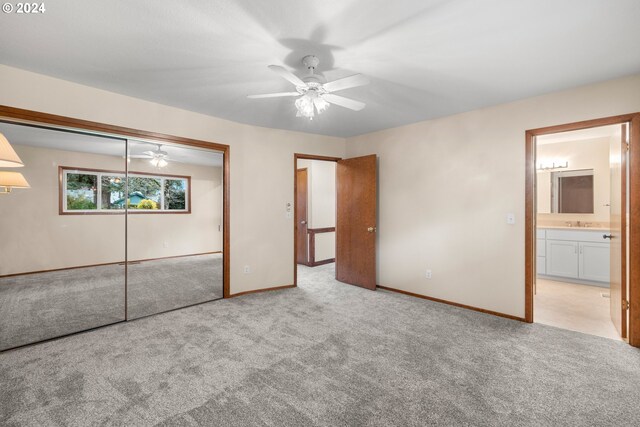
x=311, y=62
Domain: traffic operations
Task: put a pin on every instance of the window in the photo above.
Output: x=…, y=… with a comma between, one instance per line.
x=82, y=191
x=97, y=191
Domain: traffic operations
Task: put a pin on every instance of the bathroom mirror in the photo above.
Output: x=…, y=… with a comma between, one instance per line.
x=572, y=191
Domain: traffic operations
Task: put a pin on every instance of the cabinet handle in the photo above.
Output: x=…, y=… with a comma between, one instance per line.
x=607, y=236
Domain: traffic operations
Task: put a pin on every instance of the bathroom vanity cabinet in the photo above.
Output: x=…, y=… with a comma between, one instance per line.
x=573, y=255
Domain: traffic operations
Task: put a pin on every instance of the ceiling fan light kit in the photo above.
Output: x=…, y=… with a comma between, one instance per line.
x=158, y=157
x=315, y=94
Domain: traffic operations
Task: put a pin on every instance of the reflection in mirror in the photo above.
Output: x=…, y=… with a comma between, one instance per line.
x=572, y=191
x=174, y=227
x=62, y=258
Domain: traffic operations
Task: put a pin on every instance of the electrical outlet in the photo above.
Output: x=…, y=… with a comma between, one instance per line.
x=428, y=275
x=165, y=244
x=247, y=269
x=289, y=215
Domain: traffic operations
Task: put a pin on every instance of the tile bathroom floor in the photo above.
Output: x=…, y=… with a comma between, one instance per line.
x=576, y=307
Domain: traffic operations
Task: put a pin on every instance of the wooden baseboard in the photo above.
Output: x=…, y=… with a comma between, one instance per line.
x=455, y=304
x=275, y=288
x=324, y=261
x=137, y=261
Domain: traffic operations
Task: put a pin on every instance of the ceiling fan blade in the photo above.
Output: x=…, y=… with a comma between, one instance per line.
x=344, y=102
x=138, y=156
x=284, y=73
x=346, y=83
x=274, y=95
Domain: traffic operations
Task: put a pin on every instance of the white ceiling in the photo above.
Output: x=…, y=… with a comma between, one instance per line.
x=425, y=58
x=70, y=141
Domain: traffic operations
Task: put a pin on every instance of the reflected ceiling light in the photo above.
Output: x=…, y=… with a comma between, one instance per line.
x=8, y=156
x=11, y=180
x=158, y=162
x=158, y=157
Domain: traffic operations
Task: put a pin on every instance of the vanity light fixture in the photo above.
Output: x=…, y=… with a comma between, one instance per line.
x=11, y=180
x=8, y=156
x=542, y=166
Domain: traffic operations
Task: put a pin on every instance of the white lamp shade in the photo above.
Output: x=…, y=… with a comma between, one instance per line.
x=13, y=180
x=8, y=157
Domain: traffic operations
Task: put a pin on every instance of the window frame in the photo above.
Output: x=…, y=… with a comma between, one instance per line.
x=63, y=171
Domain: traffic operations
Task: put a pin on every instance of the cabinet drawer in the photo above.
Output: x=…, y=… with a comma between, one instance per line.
x=577, y=235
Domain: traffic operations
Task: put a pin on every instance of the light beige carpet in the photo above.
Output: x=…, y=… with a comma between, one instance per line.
x=323, y=354
x=35, y=307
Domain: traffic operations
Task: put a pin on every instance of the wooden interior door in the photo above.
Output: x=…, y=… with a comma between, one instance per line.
x=302, y=240
x=356, y=199
x=618, y=234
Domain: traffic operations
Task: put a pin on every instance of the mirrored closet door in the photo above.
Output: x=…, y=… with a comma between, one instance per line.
x=96, y=230
x=174, y=232
x=62, y=234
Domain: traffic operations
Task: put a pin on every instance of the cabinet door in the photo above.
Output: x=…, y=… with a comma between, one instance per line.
x=562, y=258
x=541, y=265
x=594, y=261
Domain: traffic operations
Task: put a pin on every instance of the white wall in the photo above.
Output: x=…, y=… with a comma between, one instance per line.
x=261, y=182
x=34, y=237
x=584, y=154
x=321, y=204
x=446, y=186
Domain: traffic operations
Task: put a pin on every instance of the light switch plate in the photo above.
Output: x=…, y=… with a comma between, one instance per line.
x=511, y=218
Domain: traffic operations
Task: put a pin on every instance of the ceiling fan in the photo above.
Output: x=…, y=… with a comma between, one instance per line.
x=158, y=157
x=314, y=92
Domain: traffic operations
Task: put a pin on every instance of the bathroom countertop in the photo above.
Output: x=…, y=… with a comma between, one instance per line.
x=565, y=227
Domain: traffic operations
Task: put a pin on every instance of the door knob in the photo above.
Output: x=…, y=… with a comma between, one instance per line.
x=607, y=236
x=303, y=222
x=371, y=229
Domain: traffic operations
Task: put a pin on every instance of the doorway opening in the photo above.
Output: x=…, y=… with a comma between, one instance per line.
x=315, y=217
x=335, y=205
x=581, y=226
x=113, y=226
